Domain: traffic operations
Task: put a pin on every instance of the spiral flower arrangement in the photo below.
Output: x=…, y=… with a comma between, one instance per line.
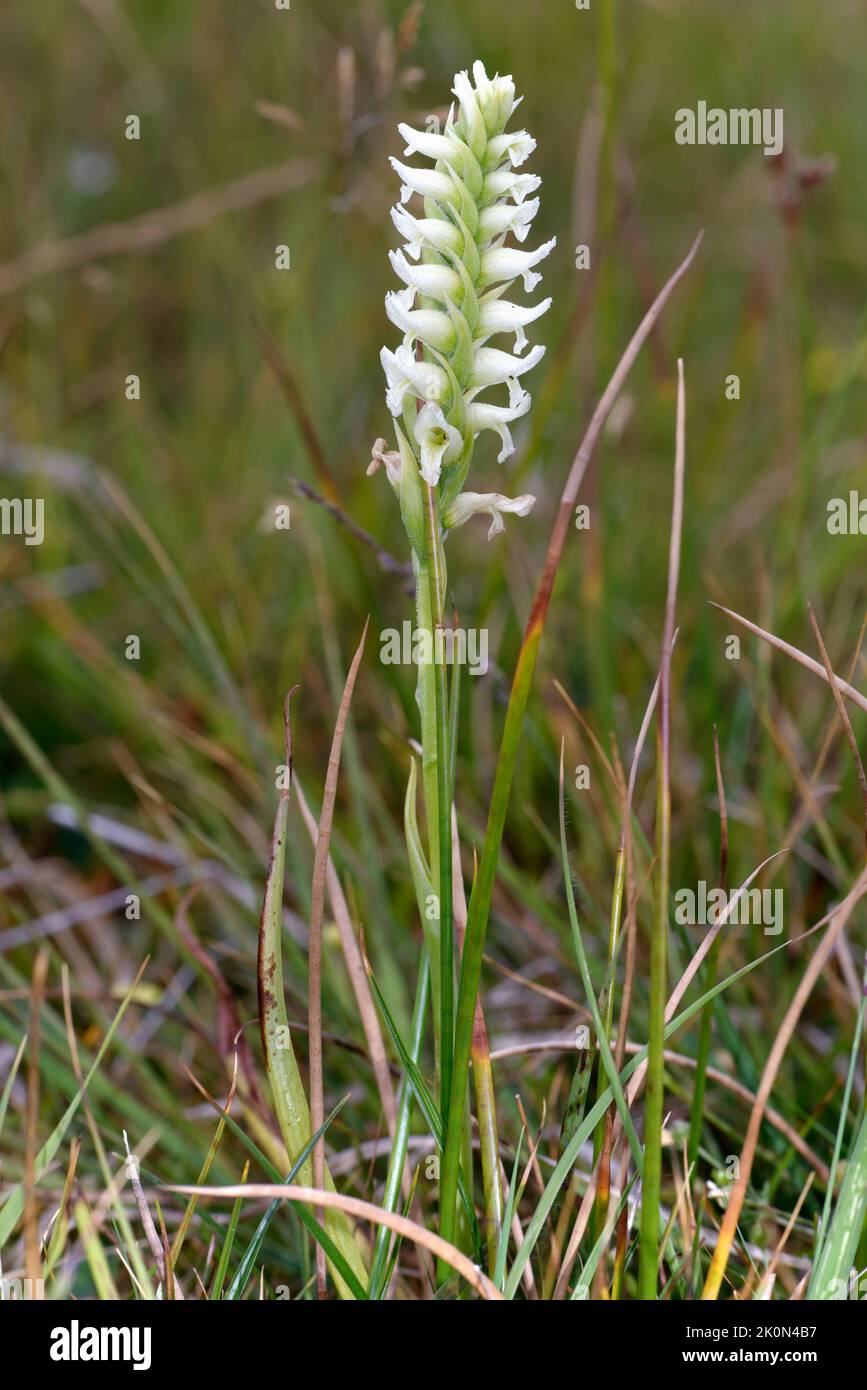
x=456, y=269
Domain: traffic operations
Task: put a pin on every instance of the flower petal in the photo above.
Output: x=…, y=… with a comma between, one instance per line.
x=430, y=325
x=500, y=316
x=493, y=367
x=507, y=262
x=482, y=416
x=438, y=441
x=502, y=183
x=436, y=281
x=430, y=183
x=501, y=218
x=404, y=372
x=494, y=503
x=426, y=231
x=517, y=144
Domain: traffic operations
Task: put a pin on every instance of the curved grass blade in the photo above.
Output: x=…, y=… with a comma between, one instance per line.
x=290, y=1100
x=248, y=1259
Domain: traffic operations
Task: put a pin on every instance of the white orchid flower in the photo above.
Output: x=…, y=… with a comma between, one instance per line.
x=430, y=183
x=502, y=218
x=406, y=373
x=435, y=281
x=492, y=367
x=438, y=441
x=420, y=232
x=494, y=503
x=431, y=325
x=499, y=316
x=482, y=416
x=507, y=263
x=517, y=144
x=427, y=142
x=504, y=184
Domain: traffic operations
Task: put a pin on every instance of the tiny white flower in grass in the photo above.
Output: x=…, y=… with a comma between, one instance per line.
x=456, y=266
x=439, y=442
x=472, y=503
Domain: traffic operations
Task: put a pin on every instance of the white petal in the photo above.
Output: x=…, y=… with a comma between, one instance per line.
x=437, y=281
x=404, y=372
x=496, y=97
x=506, y=262
x=428, y=182
x=438, y=442
x=493, y=367
x=430, y=231
x=517, y=144
x=472, y=503
x=481, y=416
x=426, y=142
x=432, y=326
x=499, y=316
x=502, y=183
x=502, y=218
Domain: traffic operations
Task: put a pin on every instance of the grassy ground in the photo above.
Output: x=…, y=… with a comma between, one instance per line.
x=134, y=771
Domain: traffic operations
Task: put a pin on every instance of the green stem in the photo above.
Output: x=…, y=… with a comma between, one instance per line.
x=474, y=944
x=653, y=1108
x=442, y=806
x=430, y=780
x=401, y=1133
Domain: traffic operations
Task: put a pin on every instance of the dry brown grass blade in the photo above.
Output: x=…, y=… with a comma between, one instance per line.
x=844, y=715
x=588, y=444
x=159, y=1252
x=357, y=975
x=738, y=1191
x=317, y=910
x=364, y=1211
x=152, y=229
x=801, y=657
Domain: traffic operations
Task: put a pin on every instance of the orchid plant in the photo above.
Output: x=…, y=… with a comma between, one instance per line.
x=457, y=265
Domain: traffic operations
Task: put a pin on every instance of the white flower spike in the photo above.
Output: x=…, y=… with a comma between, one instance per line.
x=471, y=503
x=455, y=217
